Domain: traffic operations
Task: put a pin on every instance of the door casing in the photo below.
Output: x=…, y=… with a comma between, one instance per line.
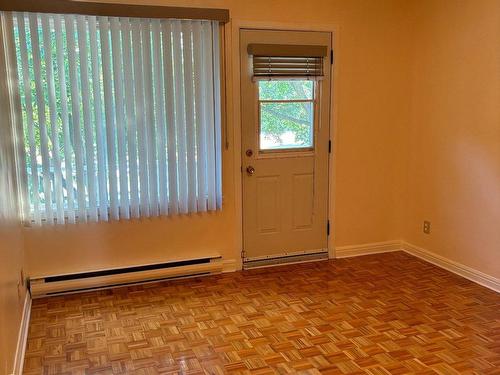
x=232, y=60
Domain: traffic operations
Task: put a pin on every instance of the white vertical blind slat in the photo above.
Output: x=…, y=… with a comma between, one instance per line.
x=99, y=123
x=37, y=68
x=209, y=110
x=68, y=150
x=29, y=117
x=130, y=116
x=187, y=50
x=150, y=129
x=160, y=118
x=173, y=201
x=11, y=68
x=110, y=117
x=87, y=122
x=75, y=117
x=14, y=133
x=217, y=114
x=58, y=190
x=139, y=111
x=120, y=117
x=199, y=88
x=180, y=116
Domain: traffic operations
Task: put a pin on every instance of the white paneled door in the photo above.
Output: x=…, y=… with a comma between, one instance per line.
x=285, y=142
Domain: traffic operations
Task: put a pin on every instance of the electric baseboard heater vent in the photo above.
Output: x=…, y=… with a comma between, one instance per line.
x=86, y=281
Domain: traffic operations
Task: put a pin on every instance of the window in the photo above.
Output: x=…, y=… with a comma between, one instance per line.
x=121, y=116
x=286, y=76
x=286, y=114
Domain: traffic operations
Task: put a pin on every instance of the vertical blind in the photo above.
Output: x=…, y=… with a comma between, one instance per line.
x=121, y=116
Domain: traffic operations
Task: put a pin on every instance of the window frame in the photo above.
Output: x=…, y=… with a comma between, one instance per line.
x=288, y=151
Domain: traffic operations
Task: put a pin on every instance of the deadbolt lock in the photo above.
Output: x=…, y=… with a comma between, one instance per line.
x=249, y=152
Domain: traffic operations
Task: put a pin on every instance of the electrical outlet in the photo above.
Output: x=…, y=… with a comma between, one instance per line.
x=427, y=227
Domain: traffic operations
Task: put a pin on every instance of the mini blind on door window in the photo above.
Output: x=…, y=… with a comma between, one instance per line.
x=121, y=115
x=283, y=60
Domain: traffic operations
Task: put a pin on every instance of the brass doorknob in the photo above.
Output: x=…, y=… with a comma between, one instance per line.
x=250, y=170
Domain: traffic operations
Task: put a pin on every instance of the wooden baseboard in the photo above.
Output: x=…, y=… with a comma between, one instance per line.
x=366, y=249
x=23, y=336
x=469, y=273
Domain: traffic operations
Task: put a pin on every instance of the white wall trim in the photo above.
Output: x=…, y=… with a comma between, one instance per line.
x=22, y=338
x=467, y=272
x=457, y=268
x=368, y=248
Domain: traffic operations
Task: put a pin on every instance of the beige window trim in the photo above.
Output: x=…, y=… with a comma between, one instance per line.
x=113, y=9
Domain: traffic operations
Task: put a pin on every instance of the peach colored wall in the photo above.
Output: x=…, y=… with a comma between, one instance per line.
x=12, y=291
x=11, y=298
x=417, y=124
x=371, y=113
x=454, y=141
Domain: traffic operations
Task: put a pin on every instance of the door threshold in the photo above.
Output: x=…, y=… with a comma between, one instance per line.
x=281, y=260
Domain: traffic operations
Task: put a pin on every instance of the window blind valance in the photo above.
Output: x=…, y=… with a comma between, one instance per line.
x=286, y=60
x=114, y=10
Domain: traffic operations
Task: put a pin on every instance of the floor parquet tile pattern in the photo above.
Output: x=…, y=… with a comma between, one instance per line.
x=379, y=314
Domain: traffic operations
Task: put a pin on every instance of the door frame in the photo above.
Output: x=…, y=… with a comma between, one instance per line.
x=233, y=39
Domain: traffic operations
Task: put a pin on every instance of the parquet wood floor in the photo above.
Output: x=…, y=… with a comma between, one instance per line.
x=379, y=314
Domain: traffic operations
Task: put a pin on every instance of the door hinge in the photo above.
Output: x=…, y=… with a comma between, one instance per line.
x=331, y=56
x=329, y=146
x=328, y=227
x=243, y=254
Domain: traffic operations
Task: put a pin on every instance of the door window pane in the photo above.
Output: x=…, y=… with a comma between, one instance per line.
x=286, y=90
x=286, y=125
x=286, y=114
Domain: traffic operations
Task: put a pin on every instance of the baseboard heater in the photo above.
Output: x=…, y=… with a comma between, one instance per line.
x=85, y=281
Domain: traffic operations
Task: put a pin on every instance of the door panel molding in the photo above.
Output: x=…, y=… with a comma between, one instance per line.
x=270, y=200
x=305, y=206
